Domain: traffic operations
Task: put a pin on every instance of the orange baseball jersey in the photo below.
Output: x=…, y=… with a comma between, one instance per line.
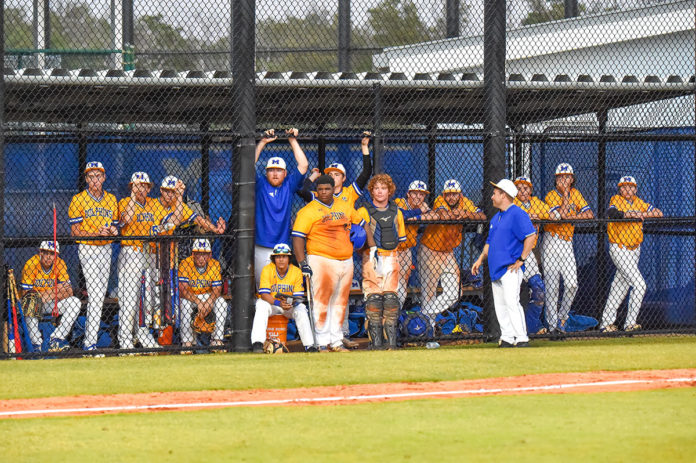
x=93, y=213
x=411, y=230
x=445, y=238
x=200, y=282
x=145, y=216
x=35, y=277
x=628, y=234
x=348, y=194
x=577, y=205
x=534, y=206
x=400, y=226
x=327, y=228
x=272, y=283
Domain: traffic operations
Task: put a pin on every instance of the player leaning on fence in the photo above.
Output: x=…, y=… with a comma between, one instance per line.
x=381, y=281
x=274, y=192
x=625, y=239
x=94, y=212
x=323, y=226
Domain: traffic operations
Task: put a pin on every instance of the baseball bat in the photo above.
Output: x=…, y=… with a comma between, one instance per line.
x=55, y=266
x=157, y=315
x=310, y=308
x=141, y=309
x=22, y=319
x=177, y=301
x=8, y=324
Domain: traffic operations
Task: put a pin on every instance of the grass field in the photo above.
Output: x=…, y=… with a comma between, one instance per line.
x=630, y=426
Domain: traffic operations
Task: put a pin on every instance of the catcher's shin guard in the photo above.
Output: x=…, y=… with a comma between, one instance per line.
x=391, y=318
x=374, y=308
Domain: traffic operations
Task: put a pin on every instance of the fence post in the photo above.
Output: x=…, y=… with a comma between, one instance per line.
x=494, y=119
x=244, y=98
x=344, y=35
x=377, y=158
x=452, y=18
x=2, y=147
x=205, y=167
x=570, y=8
x=601, y=274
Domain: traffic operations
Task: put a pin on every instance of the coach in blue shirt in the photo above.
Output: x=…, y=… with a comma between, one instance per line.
x=274, y=192
x=510, y=240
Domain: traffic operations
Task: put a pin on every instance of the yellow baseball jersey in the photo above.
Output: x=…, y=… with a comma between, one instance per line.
x=577, y=206
x=273, y=283
x=445, y=238
x=145, y=216
x=200, y=282
x=349, y=194
x=35, y=277
x=187, y=215
x=534, y=206
x=400, y=227
x=93, y=213
x=327, y=228
x=411, y=230
x=627, y=234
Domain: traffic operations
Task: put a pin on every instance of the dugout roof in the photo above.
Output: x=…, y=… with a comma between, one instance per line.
x=320, y=98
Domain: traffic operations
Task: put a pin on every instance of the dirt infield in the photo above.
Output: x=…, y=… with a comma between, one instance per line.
x=559, y=383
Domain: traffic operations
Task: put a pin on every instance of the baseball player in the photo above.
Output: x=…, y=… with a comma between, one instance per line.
x=625, y=239
x=40, y=273
x=274, y=193
x=94, y=212
x=381, y=281
x=536, y=209
x=281, y=283
x=565, y=202
x=200, y=286
x=436, y=259
x=510, y=241
x=323, y=226
x=169, y=199
x=141, y=216
x=413, y=207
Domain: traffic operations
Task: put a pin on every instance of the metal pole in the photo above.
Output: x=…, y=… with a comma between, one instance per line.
x=432, y=161
x=206, y=141
x=127, y=36
x=570, y=8
x=601, y=274
x=39, y=32
x=494, y=130
x=244, y=98
x=321, y=153
x=81, y=157
x=377, y=148
x=344, y=35
x=517, y=153
x=47, y=23
x=452, y=18
x=116, y=33
x=2, y=147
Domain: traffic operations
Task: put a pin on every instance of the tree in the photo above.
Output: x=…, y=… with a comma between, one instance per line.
x=396, y=22
x=547, y=10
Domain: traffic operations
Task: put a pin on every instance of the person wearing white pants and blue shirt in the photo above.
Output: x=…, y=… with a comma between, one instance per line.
x=510, y=241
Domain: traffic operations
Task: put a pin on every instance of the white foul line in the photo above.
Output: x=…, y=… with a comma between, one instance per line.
x=353, y=398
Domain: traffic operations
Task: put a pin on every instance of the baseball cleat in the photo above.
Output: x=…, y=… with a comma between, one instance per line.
x=634, y=327
x=58, y=345
x=257, y=348
x=522, y=344
x=609, y=329
x=349, y=344
x=91, y=351
x=338, y=348
x=502, y=343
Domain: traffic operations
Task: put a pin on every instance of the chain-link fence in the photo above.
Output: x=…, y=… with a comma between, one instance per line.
x=108, y=104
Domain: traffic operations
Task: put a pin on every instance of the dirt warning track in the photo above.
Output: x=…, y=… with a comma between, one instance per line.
x=557, y=383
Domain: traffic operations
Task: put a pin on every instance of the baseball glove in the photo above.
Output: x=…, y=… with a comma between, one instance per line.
x=204, y=325
x=273, y=346
x=31, y=304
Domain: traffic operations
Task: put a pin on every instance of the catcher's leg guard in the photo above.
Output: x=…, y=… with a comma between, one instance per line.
x=391, y=318
x=536, y=284
x=374, y=307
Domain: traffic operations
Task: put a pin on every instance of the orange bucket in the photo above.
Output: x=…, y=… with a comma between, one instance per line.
x=277, y=328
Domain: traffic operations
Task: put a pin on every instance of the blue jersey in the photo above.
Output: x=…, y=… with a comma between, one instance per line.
x=274, y=209
x=505, y=240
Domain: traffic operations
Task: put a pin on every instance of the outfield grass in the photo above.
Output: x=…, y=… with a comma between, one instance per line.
x=632, y=426
x=44, y=378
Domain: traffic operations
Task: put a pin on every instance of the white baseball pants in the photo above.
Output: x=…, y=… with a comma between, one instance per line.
x=508, y=310
x=405, y=263
x=262, y=257
x=69, y=308
x=531, y=267
x=627, y=276
x=331, y=280
x=96, y=266
x=219, y=309
x=131, y=263
x=434, y=266
x=265, y=310
x=559, y=261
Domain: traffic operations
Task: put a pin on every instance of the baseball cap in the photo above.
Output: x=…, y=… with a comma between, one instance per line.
x=335, y=167
x=418, y=185
x=507, y=186
x=523, y=179
x=276, y=163
x=48, y=246
x=140, y=177
x=564, y=168
x=281, y=249
x=452, y=186
x=169, y=182
x=201, y=245
x=627, y=180
x=94, y=165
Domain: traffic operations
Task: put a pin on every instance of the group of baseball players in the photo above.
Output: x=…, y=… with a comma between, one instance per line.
x=337, y=220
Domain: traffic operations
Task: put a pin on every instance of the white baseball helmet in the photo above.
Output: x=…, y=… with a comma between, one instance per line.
x=335, y=167
x=564, y=168
x=201, y=245
x=140, y=177
x=418, y=185
x=452, y=186
x=281, y=249
x=627, y=180
x=276, y=163
x=169, y=182
x=48, y=246
x=523, y=179
x=94, y=165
